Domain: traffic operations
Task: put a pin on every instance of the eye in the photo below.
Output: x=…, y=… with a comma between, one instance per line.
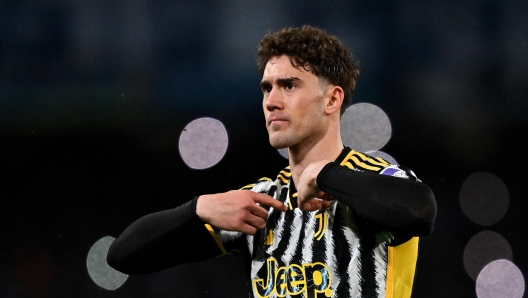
x=289, y=86
x=266, y=89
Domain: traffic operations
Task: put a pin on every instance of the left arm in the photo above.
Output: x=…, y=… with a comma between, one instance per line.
x=401, y=206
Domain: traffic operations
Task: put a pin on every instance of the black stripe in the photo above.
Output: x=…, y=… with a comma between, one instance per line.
x=286, y=231
x=297, y=256
x=283, y=194
x=343, y=255
x=367, y=243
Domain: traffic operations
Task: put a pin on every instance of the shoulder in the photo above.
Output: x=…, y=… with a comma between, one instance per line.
x=364, y=162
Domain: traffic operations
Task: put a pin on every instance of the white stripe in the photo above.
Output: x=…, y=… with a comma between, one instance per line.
x=353, y=245
x=228, y=236
x=380, y=265
x=277, y=233
x=294, y=236
x=308, y=240
x=330, y=246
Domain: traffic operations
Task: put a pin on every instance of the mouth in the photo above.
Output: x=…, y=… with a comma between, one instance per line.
x=278, y=121
x=274, y=119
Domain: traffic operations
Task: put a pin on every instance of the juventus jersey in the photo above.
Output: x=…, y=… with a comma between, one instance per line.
x=332, y=252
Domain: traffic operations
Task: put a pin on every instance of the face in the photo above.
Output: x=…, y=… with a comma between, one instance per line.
x=293, y=104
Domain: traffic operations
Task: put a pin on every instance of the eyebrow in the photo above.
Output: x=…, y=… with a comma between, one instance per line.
x=280, y=82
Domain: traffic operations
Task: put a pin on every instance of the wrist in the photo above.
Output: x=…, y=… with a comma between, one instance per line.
x=200, y=209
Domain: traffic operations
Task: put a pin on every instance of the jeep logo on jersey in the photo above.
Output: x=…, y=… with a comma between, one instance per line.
x=307, y=279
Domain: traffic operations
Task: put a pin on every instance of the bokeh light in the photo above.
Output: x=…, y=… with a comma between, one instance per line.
x=500, y=278
x=484, y=198
x=483, y=248
x=365, y=127
x=203, y=143
x=385, y=156
x=283, y=152
x=101, y=273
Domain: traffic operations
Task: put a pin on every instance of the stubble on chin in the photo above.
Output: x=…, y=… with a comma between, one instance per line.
x=278, y=141
x=277, y=144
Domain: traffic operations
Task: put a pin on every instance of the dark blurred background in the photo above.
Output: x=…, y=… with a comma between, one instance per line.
x=94, y=96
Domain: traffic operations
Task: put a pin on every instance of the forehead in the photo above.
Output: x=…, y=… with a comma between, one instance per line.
x=281, y=67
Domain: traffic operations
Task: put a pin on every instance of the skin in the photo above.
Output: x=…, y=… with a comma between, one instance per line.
x=302, y=113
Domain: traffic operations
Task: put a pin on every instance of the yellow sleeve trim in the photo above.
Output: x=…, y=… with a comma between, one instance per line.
x=364, y=165
x=374, y=160
x=249, y=186
x=382, y=161
x=345, y=160
x=265, y=179
x=401, y=267
x=215, y=237
x=284, y=180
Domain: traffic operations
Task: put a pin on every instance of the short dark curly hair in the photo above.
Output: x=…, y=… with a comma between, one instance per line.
x=312, y=47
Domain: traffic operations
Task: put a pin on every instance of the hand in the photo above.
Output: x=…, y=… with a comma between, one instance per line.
x=237, y=210
x=310, y=197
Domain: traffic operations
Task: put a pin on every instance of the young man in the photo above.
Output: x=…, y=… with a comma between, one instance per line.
x=334, y=223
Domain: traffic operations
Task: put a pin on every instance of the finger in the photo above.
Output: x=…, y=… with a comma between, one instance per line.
x=248, y=229
x=325, y=204
x=268, y=201
x=257, y=222
x=315, y=204
x=310, y=206
x=324, y=196
x=258, y=211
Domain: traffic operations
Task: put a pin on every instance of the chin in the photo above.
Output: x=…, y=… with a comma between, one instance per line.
x=278, y=144
x=281, y=139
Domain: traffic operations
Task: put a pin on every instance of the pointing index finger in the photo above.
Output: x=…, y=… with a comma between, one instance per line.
x=269, y=201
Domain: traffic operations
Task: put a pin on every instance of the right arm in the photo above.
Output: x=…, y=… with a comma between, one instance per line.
x=162, y=240
x=168, y=238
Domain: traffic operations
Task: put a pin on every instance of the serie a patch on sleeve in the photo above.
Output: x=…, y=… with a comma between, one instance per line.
x=394, y=171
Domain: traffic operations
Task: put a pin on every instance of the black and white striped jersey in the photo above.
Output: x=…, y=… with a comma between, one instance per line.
x=326, y=253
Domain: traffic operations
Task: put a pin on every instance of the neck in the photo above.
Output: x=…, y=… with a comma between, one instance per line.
x=303, y=154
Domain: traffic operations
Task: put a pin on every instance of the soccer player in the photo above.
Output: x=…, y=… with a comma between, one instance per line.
x=334, y=223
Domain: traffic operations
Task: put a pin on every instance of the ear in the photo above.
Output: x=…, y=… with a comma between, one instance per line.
x=334, y=96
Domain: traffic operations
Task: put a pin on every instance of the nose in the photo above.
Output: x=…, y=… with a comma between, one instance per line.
x=273, y=100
